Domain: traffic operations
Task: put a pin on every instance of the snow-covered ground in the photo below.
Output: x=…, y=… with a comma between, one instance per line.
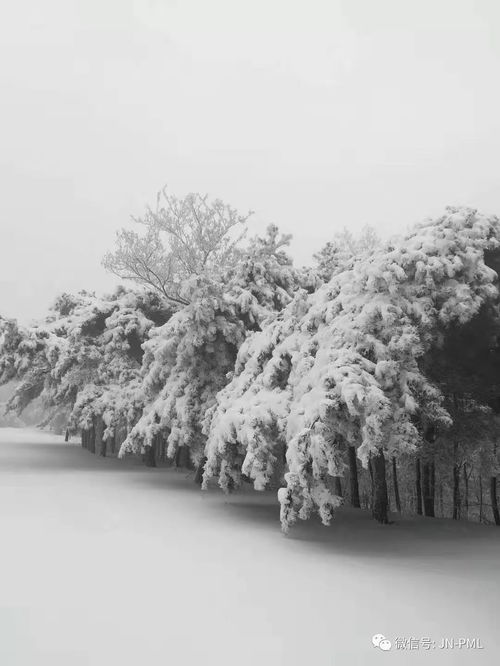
x=107, y=563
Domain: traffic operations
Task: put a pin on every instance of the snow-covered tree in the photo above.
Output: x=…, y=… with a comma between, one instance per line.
x=113, y=330
x=183, y=239
x=25, y=356
x=466, y=367
x=338, y=254
x=86, y=353
x=252, y=369
x=187, y=361
x=11, y=337
x=343, y=367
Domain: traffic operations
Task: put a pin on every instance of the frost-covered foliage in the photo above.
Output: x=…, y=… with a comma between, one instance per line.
x=115, y=331
x=186, y=238
x=343, y=365
x=82, y=356
x=340, y=253
x=385, y=352
x=11, y=337
x=25, y=355
x=187, y=361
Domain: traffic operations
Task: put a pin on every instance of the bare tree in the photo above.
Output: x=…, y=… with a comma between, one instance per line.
x=184, y=238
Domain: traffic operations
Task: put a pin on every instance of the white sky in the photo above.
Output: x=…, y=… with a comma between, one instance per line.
x=317, y=114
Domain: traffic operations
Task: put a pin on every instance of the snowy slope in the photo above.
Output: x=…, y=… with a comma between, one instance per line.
x=107, y=563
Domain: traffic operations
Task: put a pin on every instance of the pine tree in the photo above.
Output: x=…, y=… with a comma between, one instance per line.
x=188, y=360
x=343, y=366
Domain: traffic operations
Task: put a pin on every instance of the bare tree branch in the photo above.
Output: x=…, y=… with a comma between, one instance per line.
x=184, y=238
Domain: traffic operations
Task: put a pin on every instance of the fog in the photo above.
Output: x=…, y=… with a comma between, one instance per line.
x=317, y=115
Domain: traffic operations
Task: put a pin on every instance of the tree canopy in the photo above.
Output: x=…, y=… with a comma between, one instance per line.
x=285, y=377
x=342, y=365
x=182, y=239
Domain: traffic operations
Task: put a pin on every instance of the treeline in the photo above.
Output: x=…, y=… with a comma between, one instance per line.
x=370, y=378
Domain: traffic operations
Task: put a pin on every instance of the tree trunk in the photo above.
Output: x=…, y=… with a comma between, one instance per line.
x=380, y=499
x=149, y=457
x=466, y=492
x=494, y=500
x=432, y=489
x=182, y=457
x=493, y=491
x=418, y=486
x=157, y=448
x=456, y=491
x=480, y=499
x=370, y=469
x=338, y=486
x=92, y=440
x=353, y=477
x=198, y=478
x=100, y=444
x=396, y=485
x=428, y=488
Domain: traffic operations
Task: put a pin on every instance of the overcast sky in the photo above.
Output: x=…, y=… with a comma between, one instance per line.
x=317, y=114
